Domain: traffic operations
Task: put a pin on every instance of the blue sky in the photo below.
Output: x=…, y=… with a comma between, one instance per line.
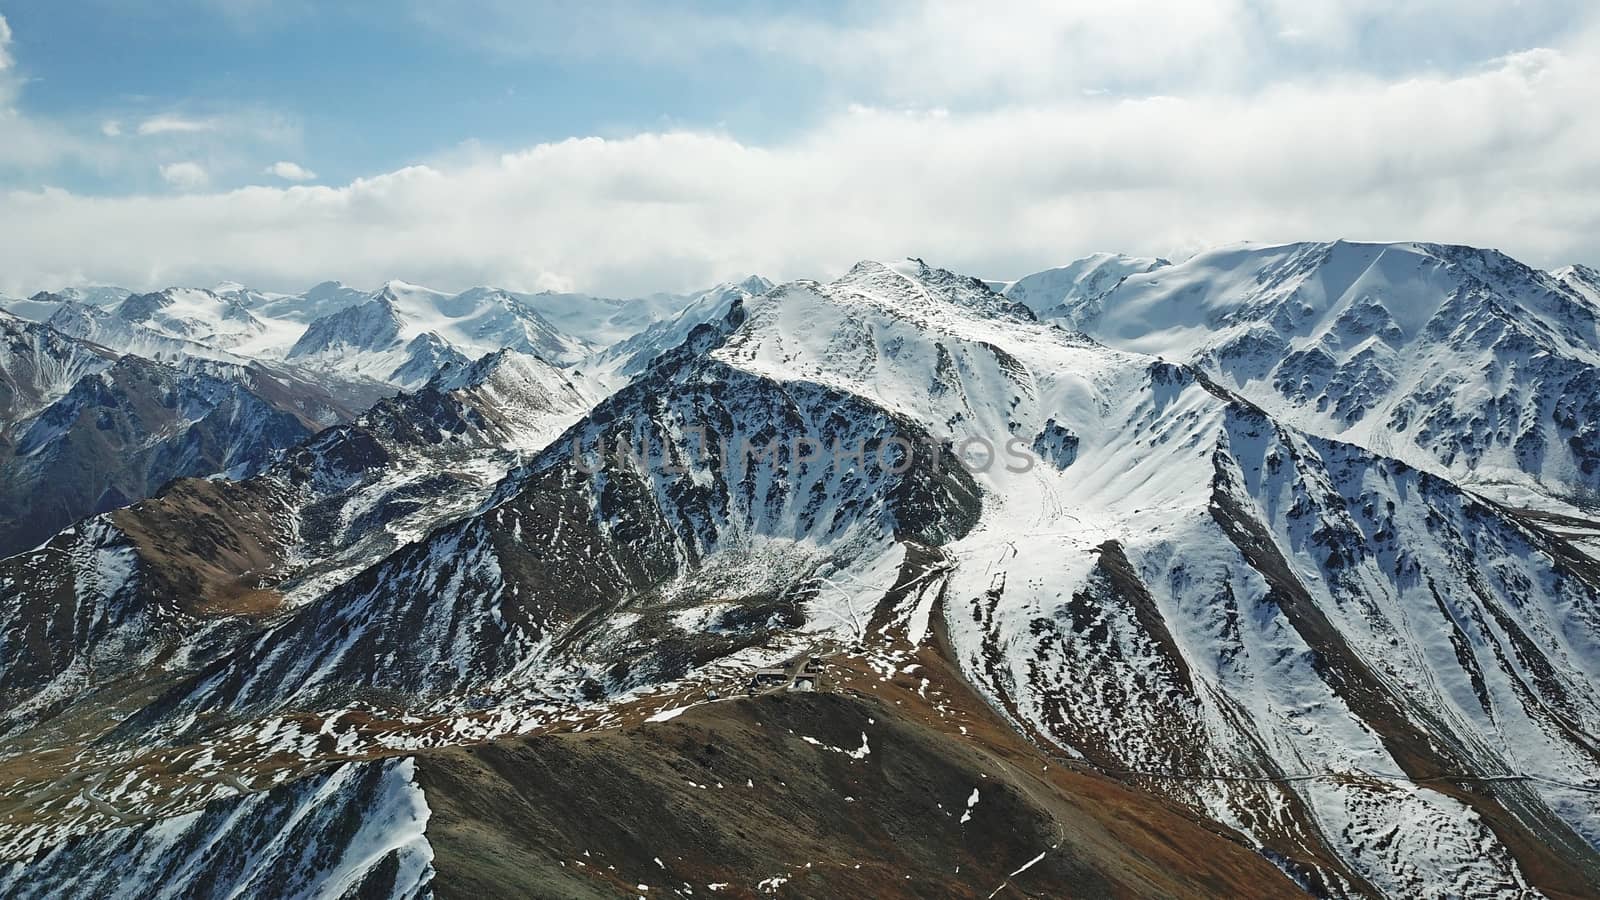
x=622, y=147
x=357, y=89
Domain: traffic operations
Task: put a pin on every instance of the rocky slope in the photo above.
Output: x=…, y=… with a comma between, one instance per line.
x=353, y=832
x=39, y=364
x=545, y=591
x=122, y=431
x=909, y=788
x=1208, y=626
x=159, y=587
x=1458, y=360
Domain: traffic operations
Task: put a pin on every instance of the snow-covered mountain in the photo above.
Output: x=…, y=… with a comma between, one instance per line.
x=602, y=321
x=206, y=553
x=320, y=300
x=167, y=324
x=404, y=334
x=1582, y=279
x=41, y=305
x=1458, y=360
x=39, y=364
x=1081, y=282
x=94, y=294
x=364, y=341
x=395, y=337
x=38, y=308
x=628, y=358
x=318, y=372
x=1074, y=589
x=193, y=315
x=482, y=320
x=102, y=326
x=1194, y=588
x=83, y=430
x=121, y=432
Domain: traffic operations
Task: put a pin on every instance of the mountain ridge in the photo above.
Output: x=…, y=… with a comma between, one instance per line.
x=1151, y=566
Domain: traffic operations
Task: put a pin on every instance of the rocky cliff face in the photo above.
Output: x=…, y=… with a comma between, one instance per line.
x=1458, y=360
x=120, y=433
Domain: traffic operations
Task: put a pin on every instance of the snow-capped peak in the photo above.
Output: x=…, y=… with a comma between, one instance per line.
x=754, y=284
x=373, y=325
x=1581, y=278
x=1058, y=291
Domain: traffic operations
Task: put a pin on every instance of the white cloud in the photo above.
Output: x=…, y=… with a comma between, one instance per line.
x=289, y=171
x=936, y=52
x=174, y=124
x=994, y=147
x=10, y=84
x=111, y=128
x=1504, y=156
x=185, y=176
x=5, y=44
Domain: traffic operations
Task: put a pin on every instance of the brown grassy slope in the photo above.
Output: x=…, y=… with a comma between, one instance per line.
x=732, y=793
x=210, y=544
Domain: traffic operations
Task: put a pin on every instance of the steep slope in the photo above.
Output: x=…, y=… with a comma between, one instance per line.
x=521, y=402
x=38, y=365
x=190, y=314
x=82, y=430
x=365, y=342
x=486, y=319
x=479, y=320
x=1582, y=279
x=1125, y=532
x=1457, y=360
x=168, y=581
x=109, y=611
x=119, y=433
x=101, y=325
x=353, y=832
x=1268, y=607
x=316, y=402
x=530, y=597
x=165, y=324
x=149, y=326
x=358, y=343
x=361, y=491
x=230, y=322
x=372, y=325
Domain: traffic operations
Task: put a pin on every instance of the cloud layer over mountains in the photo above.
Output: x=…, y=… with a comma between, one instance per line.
x=992, y=146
